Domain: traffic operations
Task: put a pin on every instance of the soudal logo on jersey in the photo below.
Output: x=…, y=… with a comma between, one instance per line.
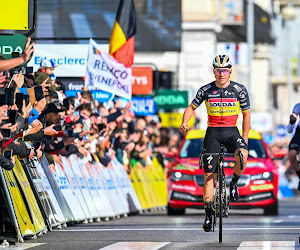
x=225, y=102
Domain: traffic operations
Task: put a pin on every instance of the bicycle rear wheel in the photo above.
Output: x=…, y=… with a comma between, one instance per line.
x=221, y=179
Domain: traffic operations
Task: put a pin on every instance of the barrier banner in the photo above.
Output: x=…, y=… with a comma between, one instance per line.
x=111, y=191
x=104, y=207
x=131, y=197
x=40, y=193
x=16, y=204
x=78, y=168
x=69, y=195
x=57, y=213
x=76, y=187
x=87, y=171
x=67, y=213
x=34, y=210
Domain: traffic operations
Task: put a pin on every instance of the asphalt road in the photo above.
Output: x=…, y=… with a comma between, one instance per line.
x=244, y=229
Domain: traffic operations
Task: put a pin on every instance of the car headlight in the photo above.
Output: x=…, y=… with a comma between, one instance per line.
x=263, y=176
x=178, y=176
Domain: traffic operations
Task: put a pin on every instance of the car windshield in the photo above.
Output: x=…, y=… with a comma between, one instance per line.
x=192, y=148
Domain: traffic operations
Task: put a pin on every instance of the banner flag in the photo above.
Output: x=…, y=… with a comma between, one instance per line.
x=104, y=73
x=121, y=44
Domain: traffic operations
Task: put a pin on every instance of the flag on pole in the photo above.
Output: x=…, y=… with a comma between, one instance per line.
x=121, y=45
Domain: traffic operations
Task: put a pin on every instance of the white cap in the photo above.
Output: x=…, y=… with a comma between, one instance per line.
x=47, y=64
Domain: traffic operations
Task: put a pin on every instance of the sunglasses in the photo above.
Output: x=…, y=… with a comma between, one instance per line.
x=224, y=71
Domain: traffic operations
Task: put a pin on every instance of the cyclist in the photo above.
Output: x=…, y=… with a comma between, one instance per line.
x=223, y=99
x=295, y=142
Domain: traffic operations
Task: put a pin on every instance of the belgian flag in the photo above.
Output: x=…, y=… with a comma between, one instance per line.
x=121, y=45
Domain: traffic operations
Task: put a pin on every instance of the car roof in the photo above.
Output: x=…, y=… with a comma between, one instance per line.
x=200, y=133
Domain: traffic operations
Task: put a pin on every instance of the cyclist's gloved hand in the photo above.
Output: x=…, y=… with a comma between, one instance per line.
x=293, y=119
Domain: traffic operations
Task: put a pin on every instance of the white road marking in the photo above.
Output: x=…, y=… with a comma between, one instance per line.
x=264, y=245
x=294, y=216
x=174, y=229
x=136, y=246
x=21, y=246
x=277, y=221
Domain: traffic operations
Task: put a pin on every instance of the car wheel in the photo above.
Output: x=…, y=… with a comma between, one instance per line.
x=175, y=211
x=272, y=210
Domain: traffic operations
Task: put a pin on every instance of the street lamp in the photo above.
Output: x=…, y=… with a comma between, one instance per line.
x=289, y=14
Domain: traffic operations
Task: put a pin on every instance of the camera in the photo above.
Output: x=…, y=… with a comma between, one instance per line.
x=6, y=133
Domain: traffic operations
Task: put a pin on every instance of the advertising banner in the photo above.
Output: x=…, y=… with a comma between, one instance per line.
x=40, y=193
x=76, y=187
x=142, y=80
x=171, y=99
x=143, y=106
x=77, y=168
x=34, y=209
x=24, y=220
x=70, y=59
x=49, y=171
x=103, y=72
x=57, y=212
x=174, y=120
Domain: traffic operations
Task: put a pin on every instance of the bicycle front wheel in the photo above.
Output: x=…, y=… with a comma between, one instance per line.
x=221, y=180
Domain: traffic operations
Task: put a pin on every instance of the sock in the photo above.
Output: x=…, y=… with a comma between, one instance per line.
x=235, y=178
x=298, y=173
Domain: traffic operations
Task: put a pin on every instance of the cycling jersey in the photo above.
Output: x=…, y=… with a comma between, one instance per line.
x=223, y=104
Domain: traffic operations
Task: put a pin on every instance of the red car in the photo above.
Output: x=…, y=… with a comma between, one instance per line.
x=258, y=186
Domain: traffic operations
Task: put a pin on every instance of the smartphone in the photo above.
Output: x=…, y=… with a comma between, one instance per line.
x=70, y=133
x=6, y=133
x=10, y=96
x=76, y=113
x=67, y=148
x=76, y=135
x=39, y=94
x=37, y=145
x=7, y=154
x=26, y=98
x=80, y=119
x=58, y=128
x=66, y=104
x=19, y=100
x=29, y=70
x=12, y=116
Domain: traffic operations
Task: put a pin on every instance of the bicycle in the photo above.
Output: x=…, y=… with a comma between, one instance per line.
x=221, y=199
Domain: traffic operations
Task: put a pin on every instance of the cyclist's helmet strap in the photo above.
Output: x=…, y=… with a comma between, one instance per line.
x=222, y=61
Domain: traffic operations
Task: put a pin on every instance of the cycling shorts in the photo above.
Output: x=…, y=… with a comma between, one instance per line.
x=295, y=142
x=215, y=136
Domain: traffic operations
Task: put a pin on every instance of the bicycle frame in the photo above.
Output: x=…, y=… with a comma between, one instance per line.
x=221, y=199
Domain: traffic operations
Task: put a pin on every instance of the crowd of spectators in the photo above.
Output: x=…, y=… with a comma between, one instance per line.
x=35, y=109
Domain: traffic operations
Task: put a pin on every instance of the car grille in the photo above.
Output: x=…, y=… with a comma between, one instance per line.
x=243, y=181
x=199, y=180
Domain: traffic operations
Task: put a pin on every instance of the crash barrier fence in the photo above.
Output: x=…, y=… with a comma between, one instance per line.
x=37, y=197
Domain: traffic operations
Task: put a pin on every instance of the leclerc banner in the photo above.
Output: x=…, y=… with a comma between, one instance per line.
x=104, y=73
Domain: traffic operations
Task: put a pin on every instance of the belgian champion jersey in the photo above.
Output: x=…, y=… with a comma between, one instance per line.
x=223, y=104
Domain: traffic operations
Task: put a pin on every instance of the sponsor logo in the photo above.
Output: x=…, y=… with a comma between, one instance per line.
x=239, y=140
x=223, y=104
x=200, y=93
x=214, y=92
x=237, y=87
x=262, y=187
x=214, y=95
x=207, y=87
x=209, y=159
x=227, y=92
x=210, y=166
x=243, y=104
x=242, y=95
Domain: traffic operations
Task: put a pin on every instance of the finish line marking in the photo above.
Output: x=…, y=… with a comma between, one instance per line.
x=136, y=245
x=264, y=245
x=174, y=229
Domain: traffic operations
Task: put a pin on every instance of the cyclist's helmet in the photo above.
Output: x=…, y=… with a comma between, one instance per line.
x=222, y=61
